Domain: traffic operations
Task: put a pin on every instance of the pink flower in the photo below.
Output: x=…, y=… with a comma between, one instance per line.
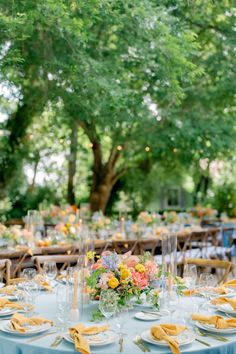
x=102, y=284
x=97, y=265
x=151, y=269
x=140, y=280
x=132, y=261
x=27, y=235
x=106, y=253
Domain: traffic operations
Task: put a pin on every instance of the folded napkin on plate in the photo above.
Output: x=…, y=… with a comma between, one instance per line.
x=190, y=292
x=230, y=283
x=18, y=322
x=44, y=283
x=221, y=290
x=8, y=290
x=224, y=300
x=217, y=321
x=6, y=303
x=165, y=331
x=76, y=333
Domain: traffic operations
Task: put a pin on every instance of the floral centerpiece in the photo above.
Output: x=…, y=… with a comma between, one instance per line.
x=203, y=212
x=170, y=217
x=69, y=231
x=55, y=214
x=148, y=218
x=14, y=234
x=129, y=275
x=99, y=221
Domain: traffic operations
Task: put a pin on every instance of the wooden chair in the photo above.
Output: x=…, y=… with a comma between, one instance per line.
x=224, y=267
x=5, y=270
x=62, y=261
x=124, y=246
x=148, y=246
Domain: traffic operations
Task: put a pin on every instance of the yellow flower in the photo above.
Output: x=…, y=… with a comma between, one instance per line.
x=90, y=255
x=130, y=291
x=113, y=282
x=125, y=273
x=140, y=268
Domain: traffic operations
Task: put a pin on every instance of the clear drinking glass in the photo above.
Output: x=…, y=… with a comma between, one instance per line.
x=50, y=270
x=64, y=299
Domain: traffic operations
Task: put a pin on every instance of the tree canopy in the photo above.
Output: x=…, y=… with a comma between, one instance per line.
x=128, y=86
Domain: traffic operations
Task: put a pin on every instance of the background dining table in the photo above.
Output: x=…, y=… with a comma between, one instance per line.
x=46, y=307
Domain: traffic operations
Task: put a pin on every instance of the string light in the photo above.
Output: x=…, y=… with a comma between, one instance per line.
x=174, y=150
x=147, y=148
x=119, y=147
x=91, y=145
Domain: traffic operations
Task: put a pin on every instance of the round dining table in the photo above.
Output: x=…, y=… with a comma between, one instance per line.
x=46, y=307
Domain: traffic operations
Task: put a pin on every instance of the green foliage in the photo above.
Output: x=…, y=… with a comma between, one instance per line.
x=133, y=74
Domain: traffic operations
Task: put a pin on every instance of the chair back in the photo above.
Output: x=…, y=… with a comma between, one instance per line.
x=221, y=268
x=62, y=261
x=5, y=270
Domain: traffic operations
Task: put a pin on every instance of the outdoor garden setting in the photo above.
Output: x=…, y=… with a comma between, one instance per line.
x=117, y=176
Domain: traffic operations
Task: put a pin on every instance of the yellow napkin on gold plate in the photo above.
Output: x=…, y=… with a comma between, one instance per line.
x=18, y=321
x=217, y=321
x=165, y=331
x=231, y=282
x=8, y=290
x=77, y=332
x=224, y=300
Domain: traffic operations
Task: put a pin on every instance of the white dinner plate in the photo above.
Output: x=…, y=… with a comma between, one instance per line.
x=211, y=328
x=96, y=340
x=226, y=308
x=5, y=327
x=6, y=311
x=9, y=297
x=184, y=338
x=155, y=316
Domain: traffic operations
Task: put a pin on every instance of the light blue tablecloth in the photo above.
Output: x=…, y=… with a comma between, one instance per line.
x=46, y=306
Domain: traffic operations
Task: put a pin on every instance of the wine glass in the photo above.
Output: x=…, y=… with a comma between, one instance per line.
x=108, y=303
x=63, y=296
x=190, y=275
x=29, y=273
x=50, y=270
x=207, y=282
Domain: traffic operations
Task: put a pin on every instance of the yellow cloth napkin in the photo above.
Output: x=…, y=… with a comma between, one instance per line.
x=217, y=321
x=16, y=281
x=190, y=292
x=76, y=333
x=221, y=290
x=8, y=290
x=224, y=300
x=230, y=283
x=165, y=331
x=40, y=280
x=6, y=303
x=18, y=321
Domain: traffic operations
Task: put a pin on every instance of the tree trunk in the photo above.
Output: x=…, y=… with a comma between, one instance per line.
x=100, y=194
x=72, y=163
x=32, y=185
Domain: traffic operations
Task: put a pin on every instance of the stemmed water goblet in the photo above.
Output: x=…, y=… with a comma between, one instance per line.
x=108, y=303
x=190, y=275
x=207, y=282
x=50, y=270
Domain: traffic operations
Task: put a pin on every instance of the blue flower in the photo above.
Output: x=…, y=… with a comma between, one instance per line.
x=110, y=261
